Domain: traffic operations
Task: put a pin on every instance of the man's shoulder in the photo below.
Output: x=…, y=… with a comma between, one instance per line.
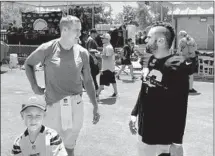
x=126, y=46
x=176, y=62
x=109, y=47
x=81, y=49
x=49, y=44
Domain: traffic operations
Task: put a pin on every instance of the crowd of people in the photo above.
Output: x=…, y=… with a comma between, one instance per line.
x=161, y=106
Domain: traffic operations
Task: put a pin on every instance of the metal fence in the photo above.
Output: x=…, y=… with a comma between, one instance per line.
x=4, y=36
x=22, y=51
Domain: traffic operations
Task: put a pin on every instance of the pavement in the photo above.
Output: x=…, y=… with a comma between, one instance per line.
x=111, y=136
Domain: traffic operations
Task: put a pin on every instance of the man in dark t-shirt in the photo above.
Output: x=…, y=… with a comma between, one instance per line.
x=91, y=42
x=126, y=58
x=161, y=106
x=92, y=46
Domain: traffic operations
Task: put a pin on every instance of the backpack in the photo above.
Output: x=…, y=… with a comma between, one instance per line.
x=94, y=65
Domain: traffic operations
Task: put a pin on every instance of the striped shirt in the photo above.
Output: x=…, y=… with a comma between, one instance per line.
x=48, y=143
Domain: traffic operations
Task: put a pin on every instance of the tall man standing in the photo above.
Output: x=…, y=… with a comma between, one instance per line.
x=64, y=61
x=108, y=66
x=162, y=103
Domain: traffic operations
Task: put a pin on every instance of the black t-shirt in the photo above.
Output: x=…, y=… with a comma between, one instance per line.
x=91, y=44
x=162, y=103
x=127, y=52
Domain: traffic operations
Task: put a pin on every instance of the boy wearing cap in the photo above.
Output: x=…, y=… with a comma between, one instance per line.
x=37, y=140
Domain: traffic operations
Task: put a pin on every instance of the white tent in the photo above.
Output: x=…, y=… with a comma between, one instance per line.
x=47, y=6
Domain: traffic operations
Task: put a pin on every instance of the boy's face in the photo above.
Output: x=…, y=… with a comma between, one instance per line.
x=33, y=118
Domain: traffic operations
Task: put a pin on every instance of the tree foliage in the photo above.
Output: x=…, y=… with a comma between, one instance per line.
x=147, y=14
x=11, y=12
x=127, y=16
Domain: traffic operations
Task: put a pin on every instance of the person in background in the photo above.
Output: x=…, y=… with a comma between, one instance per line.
x=144, y=57
x=92, y=47
x=187, y=47
x=126, y=59
x=108, y=66
x=91, y=42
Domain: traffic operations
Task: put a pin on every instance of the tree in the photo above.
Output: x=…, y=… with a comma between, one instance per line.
x=11, y=12
x=128, y=16
x=107, y=15
x=155, y=7
x=144, y=15
x=119, y=18
x=151, y=12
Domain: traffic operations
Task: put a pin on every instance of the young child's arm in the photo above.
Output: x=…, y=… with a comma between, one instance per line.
x=16, y=149
x=57, y=146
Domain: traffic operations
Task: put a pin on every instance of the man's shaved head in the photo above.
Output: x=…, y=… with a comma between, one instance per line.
x=163, y=29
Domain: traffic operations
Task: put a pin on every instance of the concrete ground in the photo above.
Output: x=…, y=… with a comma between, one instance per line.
x=111, y=136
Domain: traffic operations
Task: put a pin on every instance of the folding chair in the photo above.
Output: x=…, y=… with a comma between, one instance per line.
x=206, y=66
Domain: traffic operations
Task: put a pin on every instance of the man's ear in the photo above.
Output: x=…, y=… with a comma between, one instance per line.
x=161, y=41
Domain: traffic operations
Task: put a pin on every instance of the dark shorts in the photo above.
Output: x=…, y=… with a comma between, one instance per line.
x=107, y=77
x=195, y=64
x=126, y=62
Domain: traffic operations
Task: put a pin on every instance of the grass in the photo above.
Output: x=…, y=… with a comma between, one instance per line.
x=111, y=136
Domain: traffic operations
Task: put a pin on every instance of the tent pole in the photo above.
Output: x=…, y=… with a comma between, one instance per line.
x=93, y=16
x=39, y=6
x=67, y=10
x=161, y=12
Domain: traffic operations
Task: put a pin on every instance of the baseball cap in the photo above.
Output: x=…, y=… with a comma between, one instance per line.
x=182, y=33
x=36, y=102
x=106, y=35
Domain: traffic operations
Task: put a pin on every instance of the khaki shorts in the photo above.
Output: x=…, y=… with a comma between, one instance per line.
x=53, y=120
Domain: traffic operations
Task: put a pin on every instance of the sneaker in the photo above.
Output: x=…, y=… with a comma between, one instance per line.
x=192, y=91
x=134, y=78
x=114, y=95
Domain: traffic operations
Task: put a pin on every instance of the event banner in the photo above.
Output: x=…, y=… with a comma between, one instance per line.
x=41, y=21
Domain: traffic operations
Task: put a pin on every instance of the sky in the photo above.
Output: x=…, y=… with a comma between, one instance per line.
x=118, y=6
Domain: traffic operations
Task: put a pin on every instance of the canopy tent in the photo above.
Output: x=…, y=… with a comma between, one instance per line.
x=47, y=6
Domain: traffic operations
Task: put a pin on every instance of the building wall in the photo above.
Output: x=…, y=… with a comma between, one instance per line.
x=195, y=28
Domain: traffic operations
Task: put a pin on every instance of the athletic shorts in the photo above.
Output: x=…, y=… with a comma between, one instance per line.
x=54, y=120
x=107, y=77
x=126, y=62
x=151, y=150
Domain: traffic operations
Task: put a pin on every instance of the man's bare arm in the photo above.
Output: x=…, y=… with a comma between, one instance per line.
x=90, y=88
x=35, y=58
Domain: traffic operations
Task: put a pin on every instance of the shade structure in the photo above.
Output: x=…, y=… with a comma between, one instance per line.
x=47, y=6
x=59, y=4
